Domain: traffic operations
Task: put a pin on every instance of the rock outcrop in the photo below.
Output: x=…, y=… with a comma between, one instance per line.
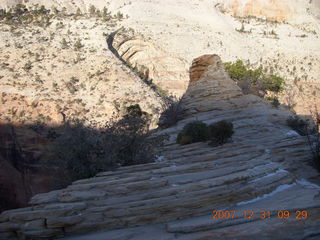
x=274, y=10
x=263, y=168
x=269, y=9
x=156, y=65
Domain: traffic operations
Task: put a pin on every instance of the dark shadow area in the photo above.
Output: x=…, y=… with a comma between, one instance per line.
x=109, y=41
x=172, y=111
x=39, y=158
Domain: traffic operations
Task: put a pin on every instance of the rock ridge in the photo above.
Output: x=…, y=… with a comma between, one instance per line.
x=263, y=167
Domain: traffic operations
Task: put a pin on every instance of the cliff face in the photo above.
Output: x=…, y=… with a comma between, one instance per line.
x=264, y=167
x=269, y=9
x=21, y=176
x=279, y=10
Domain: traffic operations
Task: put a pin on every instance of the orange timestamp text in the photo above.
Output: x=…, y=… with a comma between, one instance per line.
x=263, y=214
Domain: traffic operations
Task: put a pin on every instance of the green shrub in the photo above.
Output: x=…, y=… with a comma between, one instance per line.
x=64, y=44
x=78, y=45
x=92, y=10
x=253, y=81
x=27, y=66
x=2, y=14
x=192, y=132
x=273, y=83
x=220, y=132
x=236, y=70
x=21, y=14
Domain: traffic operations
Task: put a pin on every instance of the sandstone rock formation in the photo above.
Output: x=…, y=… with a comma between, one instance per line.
x=274, y=10
x=156, y=65
x=270, y=9
x=264, y=167
x=200, y=66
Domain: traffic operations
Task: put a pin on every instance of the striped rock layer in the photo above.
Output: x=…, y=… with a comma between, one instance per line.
x=263, y=168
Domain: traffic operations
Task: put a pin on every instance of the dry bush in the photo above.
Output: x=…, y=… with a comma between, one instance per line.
x=83, y=151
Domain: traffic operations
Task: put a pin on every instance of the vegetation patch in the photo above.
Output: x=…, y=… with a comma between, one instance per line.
x=192, y=132
x=83, y=151
x=218, y=133
x=254, y=81
x=21, y=14
x=38, y=15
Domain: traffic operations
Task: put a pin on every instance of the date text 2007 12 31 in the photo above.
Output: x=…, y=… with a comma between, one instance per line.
x=263, y=214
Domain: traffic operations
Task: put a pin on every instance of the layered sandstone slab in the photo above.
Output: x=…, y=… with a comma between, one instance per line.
x=155, y=64
x=264, y=167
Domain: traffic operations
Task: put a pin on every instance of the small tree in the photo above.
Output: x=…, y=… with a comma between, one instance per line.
x=253, y=81
x=27, y=66
x=119, y=16
x=273, y=83
x=220, y=132
x=2, y=14
x=92, y=10
x=106, y=15
x=192, y=132
x=64, y=44
x=78, y=12
x=78, y=45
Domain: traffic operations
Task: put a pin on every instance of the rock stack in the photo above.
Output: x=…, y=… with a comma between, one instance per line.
x=263, y=168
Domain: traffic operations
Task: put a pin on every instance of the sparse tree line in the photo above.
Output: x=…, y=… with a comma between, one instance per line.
x=39, y=15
